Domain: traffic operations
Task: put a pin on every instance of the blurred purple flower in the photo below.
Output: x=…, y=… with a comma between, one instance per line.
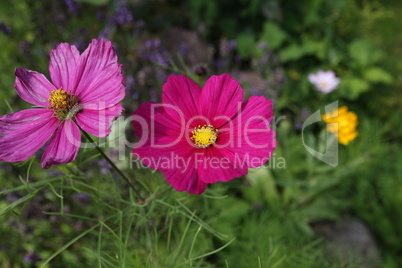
x=122, y=15
x=81, y=198
x=130, y=86
x=25, y=48
x=238, y=59
x=72, y=6
x=12, y=197
x=31, y=257
x=303, y=115
x=100, y=15
x=154, y=52
x=104, y=166
x=279, y=76
x=80, y=44
x=153, y=93
x=107, y=31
x=4, y=28
x=256, y=92
x=183, y=49
x=226, y=47
x=55, y=173
x=218, y=64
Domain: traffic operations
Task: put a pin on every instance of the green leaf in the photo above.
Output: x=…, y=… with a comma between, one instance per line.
x=292, y=52
x=94, y=2
x=352, y=87
x=273, y=35
x=364, y=52
x=377, y=75
x=246, y=46
x=308, y=47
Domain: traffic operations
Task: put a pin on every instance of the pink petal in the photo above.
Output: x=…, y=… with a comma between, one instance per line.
x=24, y=133
x=63, y=64
x=185, y=180
x=183, y=93
x=160, y=135
x=98, y=123
x=218, y=164
x=221, y=98
x=176, y=162
x=249, y=136
x=163, y=147
x=312, y=78
x=33, y=87
x=64, y=145
x=99, y=76
x=152, y=121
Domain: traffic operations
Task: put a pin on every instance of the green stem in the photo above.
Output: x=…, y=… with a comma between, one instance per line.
x=152, y=197
x=121, y=174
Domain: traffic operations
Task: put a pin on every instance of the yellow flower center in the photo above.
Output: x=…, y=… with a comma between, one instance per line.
x=64, y=105
x=323, y=84
x=204, y=136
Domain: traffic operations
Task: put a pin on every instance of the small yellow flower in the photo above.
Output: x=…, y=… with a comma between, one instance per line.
x=295, y=75
x=342, y=123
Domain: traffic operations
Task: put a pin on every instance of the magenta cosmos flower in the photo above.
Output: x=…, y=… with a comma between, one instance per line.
x=196, y=137
x=84, y=91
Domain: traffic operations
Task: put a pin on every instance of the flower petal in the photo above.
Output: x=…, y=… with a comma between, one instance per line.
x=99, y=76
x=249, y=136
x=98, y=123
x=183, y=93
x=163, y=147
x=218, y=164
x=64, y=145
x=63, y=65
x=152, y=121
x=24, y=133
x=175, y=161
x=185, y=180
x=221, y=98
x=312, y=78
x=33, y=87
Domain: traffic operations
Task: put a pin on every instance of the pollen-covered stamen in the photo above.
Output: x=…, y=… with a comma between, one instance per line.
x=204, y=136
x=323, y=84
x=64, y=105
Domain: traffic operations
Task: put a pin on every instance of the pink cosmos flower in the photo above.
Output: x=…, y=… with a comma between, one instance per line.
x=84, y=91
x=196, y=137
x=324, y=81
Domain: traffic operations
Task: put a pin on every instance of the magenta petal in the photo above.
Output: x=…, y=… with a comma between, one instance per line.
x=98, y=123
x=24, y=133
x=160, y=136
x=63, y=64
x=64, y=145
x=33, y=87
x=176, y=162
x=185, y=180
x=217, y=164
x=221, y=98
x=183, y=93
x=99, y=76
x=152, y=121
x=249, y=137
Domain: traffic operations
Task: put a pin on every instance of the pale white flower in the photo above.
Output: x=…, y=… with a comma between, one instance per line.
x=324, y=81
